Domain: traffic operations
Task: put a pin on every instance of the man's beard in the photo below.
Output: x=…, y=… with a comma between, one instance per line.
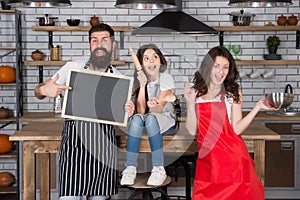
x=103, y=61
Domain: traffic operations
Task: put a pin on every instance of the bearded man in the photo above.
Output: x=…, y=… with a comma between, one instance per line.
x=88, y=153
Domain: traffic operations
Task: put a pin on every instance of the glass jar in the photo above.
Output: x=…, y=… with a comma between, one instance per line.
x=55, y=53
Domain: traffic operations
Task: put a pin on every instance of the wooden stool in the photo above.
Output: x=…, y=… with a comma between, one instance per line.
x=140, y=186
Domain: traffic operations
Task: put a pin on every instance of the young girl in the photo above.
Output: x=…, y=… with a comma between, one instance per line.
x=153, y=114
x=225, y=170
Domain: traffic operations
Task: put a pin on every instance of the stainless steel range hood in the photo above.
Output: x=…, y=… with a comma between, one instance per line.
x=174, y=21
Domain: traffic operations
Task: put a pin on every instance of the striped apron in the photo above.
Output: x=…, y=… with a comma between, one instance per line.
x=88, y=159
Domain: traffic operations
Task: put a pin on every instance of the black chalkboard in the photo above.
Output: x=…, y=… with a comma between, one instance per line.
x=97, y=96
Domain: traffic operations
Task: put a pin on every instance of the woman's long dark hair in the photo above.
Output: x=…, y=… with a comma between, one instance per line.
x=202, y=76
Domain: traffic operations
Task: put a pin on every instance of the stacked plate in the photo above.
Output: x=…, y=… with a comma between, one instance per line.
x=272, y=56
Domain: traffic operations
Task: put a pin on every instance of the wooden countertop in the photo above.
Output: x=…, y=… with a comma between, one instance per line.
x=52, y=131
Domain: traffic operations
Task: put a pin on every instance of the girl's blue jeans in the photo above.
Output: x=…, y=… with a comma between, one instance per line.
x=136, y=127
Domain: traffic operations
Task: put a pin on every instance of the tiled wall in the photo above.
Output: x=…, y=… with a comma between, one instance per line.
x=184, y=52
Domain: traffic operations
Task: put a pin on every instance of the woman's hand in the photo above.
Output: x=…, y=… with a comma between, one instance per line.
x=189, y=94
x=264, y=104
x=141, y=76
x=129, y=108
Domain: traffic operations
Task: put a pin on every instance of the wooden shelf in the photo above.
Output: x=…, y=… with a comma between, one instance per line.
x=77, y=28
x=257, y=28
x=7, y=11
x=8, y=190
x=11, y=154
x=7, y=48
x=63, y=62
x=267, y=62
x=8, y=84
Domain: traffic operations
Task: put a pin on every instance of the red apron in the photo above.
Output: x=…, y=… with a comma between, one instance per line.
x=225, y=170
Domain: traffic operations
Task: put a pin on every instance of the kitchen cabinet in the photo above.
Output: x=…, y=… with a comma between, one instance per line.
x=14, y=38
x=51, y=29
x=223, y=29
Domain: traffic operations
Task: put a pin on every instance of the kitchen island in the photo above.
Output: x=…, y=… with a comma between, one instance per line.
x=41, y=135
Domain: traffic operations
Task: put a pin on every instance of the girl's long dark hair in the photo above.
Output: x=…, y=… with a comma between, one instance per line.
x=202, y=76
x=140, y=54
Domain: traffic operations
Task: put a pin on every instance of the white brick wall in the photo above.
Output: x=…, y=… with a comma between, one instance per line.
x=190, y=50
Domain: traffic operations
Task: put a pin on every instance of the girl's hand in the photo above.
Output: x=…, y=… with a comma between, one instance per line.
x=129, y=108
x=142, y=78
x=189, y=93
x=154, y=105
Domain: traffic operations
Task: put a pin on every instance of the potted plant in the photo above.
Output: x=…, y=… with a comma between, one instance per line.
x=4, y=5
x=273, y=42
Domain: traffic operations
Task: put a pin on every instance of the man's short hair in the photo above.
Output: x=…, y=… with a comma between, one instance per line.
x=102, y=27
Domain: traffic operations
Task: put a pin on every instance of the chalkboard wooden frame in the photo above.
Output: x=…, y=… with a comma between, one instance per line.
x=97, y=97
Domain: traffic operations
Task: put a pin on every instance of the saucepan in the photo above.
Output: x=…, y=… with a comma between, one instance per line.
x=47, y=21
x=281, y=99
x=241, y=18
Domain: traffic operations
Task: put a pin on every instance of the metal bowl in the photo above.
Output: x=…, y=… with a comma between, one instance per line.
x=279, y=99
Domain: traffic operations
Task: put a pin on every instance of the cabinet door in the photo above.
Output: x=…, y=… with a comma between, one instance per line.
x=279, y=163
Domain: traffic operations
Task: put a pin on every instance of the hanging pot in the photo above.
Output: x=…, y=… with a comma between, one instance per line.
x=241, y=18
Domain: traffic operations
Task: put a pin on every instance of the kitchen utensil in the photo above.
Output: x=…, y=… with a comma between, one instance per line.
x=73, y=22
x=292, y=20
x=272, y=56
x=37, y=55
x=46, y=20
x=280, y=99
x=254, y=74
x=4, y=112
x=268, y=74
x=282, y=20
x=241, y=18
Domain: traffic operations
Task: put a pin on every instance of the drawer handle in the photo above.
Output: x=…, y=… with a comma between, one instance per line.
x=288, y=146
x=295, y=128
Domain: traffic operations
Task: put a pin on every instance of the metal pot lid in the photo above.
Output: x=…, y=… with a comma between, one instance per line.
x=242, y=14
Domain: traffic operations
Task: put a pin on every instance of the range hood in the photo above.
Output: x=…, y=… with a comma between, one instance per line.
x=174, y=21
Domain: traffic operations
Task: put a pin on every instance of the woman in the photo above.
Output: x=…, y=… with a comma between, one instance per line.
x=225, y=169
x=154, y=114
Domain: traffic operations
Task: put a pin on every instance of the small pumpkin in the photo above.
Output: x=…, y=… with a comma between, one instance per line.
x=5, y=144
x=7, y=74
x=6, y=179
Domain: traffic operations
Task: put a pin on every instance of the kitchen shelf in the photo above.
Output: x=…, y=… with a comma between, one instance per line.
x=78, y=28
x=50, y=30
x=257, y=28
x=7, y=48
x=8, y=190
x=63, y=62
x=11, y=154
x=267, y=62
x=41, y=64
x=8, y=84
x=221, y=30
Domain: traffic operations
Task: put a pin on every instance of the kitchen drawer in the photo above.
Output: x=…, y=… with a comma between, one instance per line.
x=285, y=128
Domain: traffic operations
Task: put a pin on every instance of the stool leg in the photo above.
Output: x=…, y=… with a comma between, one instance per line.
x=137, y=192
x=147, y=196
x=187, y=179
x=164, y=195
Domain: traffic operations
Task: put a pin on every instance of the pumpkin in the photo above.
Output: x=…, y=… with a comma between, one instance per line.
x=6, y=179
x=5, y=144
x=7, y=74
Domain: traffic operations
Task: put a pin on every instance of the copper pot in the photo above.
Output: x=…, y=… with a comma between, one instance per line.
x=4, y=113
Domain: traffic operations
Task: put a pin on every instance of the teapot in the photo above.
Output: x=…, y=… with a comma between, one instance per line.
x=94, y=20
